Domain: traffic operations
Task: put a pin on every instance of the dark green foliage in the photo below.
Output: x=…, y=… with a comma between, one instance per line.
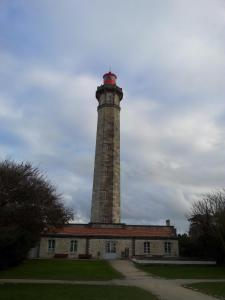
x=186, y=248
x=216, y=289
x=71, y=292
x=207, y=227
x=28, y=203
x=62, y=269
x=185, y=272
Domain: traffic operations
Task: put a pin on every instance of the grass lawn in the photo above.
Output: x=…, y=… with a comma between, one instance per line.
x=216, y=289
x=184, y=272
x=62, y=269
x=71, y=292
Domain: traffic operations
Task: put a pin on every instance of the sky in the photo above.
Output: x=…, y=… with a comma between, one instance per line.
x=169, y=57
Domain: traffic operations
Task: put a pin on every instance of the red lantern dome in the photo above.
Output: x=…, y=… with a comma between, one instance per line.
x=109, y=78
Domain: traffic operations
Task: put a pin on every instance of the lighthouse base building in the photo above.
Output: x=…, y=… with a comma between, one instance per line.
x=109, y=241
x=105, y=237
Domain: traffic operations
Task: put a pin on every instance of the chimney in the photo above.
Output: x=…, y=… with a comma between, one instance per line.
x=167, y=222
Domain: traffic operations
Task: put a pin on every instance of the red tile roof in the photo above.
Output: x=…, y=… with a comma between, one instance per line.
x=126, y=231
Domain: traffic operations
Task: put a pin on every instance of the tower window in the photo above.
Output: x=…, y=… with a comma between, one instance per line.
x=167, y=247
x=106, y=171
x=51, y=245
x=110, y=247
x=106, y=147
x=109, y=98
x=146, y=247
x=73, y=246
x=109, y=126
x=116, y=101
x=103, y=195
x=102, y=100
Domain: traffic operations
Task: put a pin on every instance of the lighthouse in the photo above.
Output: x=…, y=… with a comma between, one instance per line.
x=105, y=236
x=106, y=182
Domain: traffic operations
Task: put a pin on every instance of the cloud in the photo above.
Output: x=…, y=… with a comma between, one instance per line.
x=169, y=57
x=168, y=163
x=53, y=116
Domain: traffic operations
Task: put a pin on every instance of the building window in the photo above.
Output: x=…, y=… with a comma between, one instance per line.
x=51, y=245
x=167, y=247
x=73, y=246
x=110, y=247
x=146, y=247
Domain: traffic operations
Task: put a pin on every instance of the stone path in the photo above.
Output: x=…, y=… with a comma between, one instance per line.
x=165, y=289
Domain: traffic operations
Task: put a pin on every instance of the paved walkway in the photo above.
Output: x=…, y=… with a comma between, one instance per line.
x=174, y=262
x=163, y=288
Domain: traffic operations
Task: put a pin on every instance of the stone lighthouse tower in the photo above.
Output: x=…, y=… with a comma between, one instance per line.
x=106, y=185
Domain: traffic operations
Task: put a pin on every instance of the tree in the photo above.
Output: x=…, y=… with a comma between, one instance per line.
x=28, y=204
x=207, y=226
x=185, y=245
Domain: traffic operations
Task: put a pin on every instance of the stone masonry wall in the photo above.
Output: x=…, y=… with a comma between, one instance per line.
x=62, y=246
x=156, y=248
x=106, y=185
x=97, y=247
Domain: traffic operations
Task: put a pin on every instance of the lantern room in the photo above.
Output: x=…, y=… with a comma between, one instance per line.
x=109, y=78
